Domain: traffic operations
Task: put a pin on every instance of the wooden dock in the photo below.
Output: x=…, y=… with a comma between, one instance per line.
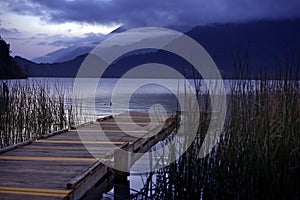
x=60, y=166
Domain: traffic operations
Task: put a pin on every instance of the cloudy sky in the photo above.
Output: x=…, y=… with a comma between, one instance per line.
x=36, y=27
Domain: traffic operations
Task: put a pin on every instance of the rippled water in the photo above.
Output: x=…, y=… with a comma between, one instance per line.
x=139, y=94
x=141, y=99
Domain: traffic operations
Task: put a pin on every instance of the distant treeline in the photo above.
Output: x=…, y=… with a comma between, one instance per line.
x=9, y=69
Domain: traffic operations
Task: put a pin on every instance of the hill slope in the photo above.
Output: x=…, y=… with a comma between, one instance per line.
x=9, y=69
x=250, y=48
x=64, y=69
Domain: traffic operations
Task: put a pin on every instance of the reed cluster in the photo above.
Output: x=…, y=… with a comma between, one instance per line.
x=30, y=109
x=258, y=153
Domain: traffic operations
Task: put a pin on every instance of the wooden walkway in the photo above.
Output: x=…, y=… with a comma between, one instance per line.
x=60, y=167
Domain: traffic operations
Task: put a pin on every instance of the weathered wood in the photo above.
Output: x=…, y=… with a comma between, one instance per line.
x=87, y=179
x=74, y=127
x=53, y=133
x=122, y=160
x=21, y=144
x=104, y=185
x=104, y=118
x=61, y=161
x=15, y=146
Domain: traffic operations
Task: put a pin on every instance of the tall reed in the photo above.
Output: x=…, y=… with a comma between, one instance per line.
x=32, y=109
x=258, y=154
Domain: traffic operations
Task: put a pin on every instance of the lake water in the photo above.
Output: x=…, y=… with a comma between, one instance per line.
x=112, y=95
x=129, y=95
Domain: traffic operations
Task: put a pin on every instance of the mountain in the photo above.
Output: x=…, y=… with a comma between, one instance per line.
x=115, y=70
x=257, y=45
x=64, y=54
x=118, y=30
x=180, y=28
x=246, y=49
x=69, y=53
x=63, y=69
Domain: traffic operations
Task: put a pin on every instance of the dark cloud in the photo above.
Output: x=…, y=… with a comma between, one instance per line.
x=9, y=31
x=156, y=12
x=15, y=38
x=62, y=41
x=42, y=34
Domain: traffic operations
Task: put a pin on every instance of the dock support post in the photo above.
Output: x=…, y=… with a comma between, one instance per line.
x=121, y=188
x=121, y=184
x=121, y=162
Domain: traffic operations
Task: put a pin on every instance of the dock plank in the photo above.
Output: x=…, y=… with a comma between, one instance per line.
x=43, y=168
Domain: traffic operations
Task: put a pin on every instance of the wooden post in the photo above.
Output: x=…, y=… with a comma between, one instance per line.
x=121, y=163
x=121, y=188
x=121, y=184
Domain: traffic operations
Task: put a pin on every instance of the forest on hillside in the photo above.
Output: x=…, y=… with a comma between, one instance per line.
x=9, y=69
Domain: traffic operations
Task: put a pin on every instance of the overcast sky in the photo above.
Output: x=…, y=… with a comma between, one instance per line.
x=36, y=27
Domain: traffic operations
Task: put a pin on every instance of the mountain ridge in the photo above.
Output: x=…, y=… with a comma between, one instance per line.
x=257, y=46
x=62, y=69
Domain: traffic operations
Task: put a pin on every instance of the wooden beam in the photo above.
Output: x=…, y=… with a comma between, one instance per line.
x=129, y=123
x=15, y=146
x=108, y=131
x=87, y=180
x=47, y=158
x=79, y=142
x=34, y=191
